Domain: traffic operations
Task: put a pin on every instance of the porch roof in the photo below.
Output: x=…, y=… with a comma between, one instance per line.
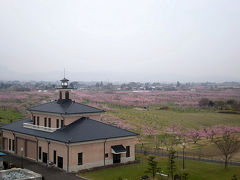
x=118, y=149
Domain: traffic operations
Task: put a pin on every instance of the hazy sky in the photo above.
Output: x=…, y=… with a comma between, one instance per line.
x=165, y=40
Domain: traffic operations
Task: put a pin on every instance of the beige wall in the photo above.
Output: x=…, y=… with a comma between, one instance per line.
x=20, y=144
x=27, y=143
x=67, y=119
x=52, y=116
x=7, y=136
x=93, y=151
x=71, y=119
x=63, y=93
x=5, y=144
x=31, y=151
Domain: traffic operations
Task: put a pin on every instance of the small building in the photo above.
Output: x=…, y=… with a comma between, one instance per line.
x=64, y=133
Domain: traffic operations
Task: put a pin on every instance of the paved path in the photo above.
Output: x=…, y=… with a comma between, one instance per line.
x=49, y=173
x=190, y=158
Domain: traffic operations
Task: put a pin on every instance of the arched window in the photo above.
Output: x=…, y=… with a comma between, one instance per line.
x=66, y=95
x=60, y=95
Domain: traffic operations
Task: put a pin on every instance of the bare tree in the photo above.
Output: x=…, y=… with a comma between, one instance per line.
x=228, y=144
x=140, y=139
x=169, y=141
x=156, y=142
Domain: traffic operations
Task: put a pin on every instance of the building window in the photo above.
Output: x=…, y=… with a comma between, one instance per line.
x=34, y=120
x=38, y=120
x=80, y=158
x=45, y=122
x=66, y=95
x=49, y=122
x=54, y=157
x=128, y=151
x=13, y=145
x=62, y=123
x=40, y=153
x=60, y=95
x=57, y=125
x=106, y=155
x=9, y=145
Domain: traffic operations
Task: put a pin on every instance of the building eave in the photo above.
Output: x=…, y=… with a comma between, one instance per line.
x=69, y=142
x=67, y=114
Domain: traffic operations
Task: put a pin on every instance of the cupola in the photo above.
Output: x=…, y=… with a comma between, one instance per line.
x=64, y=83
x=64, y=90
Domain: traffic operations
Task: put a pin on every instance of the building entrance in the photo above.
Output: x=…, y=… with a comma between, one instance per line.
x=44, y=157
x=116, y=158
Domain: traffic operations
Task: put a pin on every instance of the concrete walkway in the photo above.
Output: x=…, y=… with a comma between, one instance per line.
x=50, y=173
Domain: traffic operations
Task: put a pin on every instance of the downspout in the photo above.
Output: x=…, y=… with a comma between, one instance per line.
x=104, y=151
x=14, y=142
x=48, y=152
x=67, y=145
x=25, y=147
x=3, y=143
x=37, y=148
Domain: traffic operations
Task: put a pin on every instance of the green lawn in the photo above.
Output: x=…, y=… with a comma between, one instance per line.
x=8, y=115
x=160, y=119
x=197, y=171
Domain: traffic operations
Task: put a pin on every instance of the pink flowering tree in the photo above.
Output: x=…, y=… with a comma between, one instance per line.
x=148, y=130
x=193, y=135
x=227, y=142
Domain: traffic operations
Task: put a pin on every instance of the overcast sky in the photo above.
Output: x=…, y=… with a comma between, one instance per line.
x=124, y=40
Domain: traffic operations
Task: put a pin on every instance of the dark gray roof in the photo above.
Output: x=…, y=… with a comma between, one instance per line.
x=65, y=107
x=82, y=130
x=64, y=79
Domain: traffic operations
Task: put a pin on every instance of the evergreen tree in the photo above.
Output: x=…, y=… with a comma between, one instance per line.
x=171, y=163
x=152, y=166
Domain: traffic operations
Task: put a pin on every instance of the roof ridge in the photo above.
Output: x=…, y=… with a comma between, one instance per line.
x=27, y=118
x=72, y=102
x=68, y=126
x=113, y=126
x=40, y=105
x=89, y=106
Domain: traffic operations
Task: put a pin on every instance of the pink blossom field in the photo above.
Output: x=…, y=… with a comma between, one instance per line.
x=134, y=117
x=125, y=109
x=125, y=98
x=156, y=98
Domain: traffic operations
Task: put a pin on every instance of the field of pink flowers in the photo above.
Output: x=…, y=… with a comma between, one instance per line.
x=181, y=98
x=22, y=100
x=123, y=98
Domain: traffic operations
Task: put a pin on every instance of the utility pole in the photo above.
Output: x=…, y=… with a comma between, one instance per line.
x=183, y=144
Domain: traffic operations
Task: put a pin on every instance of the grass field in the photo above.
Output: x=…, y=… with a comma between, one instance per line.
x=160, y=119
x=9, y=115
x=197, y=171
x=136, y=118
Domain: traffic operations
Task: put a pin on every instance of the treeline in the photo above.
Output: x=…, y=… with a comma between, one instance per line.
x=27, y=86
x=229, y=105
